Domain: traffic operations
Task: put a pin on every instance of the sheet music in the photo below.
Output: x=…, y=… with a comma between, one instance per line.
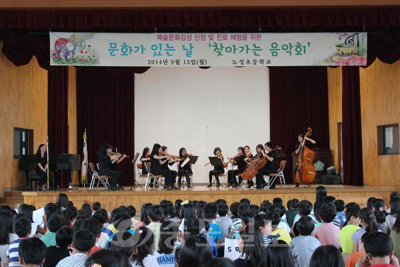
x=185, y=162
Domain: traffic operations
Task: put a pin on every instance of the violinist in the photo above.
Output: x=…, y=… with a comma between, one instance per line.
x=248, y=158
x=303, y=141
x=186, y=170
x=217, y=169
x=156, y=166
x=238, y=160
x=106, y=160
x=269, y=154
x=145, y=159
x=169, y=161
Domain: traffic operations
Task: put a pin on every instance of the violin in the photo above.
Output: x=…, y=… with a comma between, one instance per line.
x=233, y=160
x=170, y=157
x=119, y=155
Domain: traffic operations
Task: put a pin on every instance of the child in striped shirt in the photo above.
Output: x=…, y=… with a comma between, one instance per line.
x=22, y=227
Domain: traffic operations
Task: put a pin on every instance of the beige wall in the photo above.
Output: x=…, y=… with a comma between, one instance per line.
x=23, y=104
x=335, y=111
x=72, y=119
x=380, y=105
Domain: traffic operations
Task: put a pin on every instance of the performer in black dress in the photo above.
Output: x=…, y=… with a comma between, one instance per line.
x=185, y=170
x=268, y=168
x=238, y=160
x=106, y=160
x=217, y=169
x=41, y=165
x=145, y=158
x=168, y=162
x=308, y=143
x=156, y=167
x=249, y=157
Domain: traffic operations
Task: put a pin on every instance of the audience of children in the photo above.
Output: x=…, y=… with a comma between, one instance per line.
x=335, y=234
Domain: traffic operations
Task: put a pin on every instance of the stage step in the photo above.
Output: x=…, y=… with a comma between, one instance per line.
x=12, y=199
x=13, y=194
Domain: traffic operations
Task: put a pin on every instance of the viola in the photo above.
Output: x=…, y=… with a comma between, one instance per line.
x=305, y=173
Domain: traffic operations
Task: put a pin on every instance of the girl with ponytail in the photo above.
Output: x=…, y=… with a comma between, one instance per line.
x=368, y=225
x=142, y=247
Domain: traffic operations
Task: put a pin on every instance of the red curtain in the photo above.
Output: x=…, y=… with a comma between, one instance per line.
x=58, y=114
x=205, y=19
x=106, y=108
x=298, y=99
x=351, y=129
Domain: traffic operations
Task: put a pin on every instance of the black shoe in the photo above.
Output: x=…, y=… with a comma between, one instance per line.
x=151, y=185
x=209, y=185
x=248, y=186
x=297, y=186
x=112, y=188
x=174, y=187
x=218, y=185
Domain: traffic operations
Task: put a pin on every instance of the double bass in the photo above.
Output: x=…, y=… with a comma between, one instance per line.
x=305, y=173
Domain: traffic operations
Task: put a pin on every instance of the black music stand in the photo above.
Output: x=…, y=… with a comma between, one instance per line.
x=135, y=183
x=193, y=160
x=75, y=164
x=215, y=161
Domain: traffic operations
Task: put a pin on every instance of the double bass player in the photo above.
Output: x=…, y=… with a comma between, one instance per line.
x=303, y=141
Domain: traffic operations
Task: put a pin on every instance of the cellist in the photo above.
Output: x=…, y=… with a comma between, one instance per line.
x=301, y=141
x=259, y=155
x=268, y=168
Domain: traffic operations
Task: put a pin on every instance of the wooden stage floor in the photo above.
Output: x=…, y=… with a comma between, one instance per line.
x=112, y=199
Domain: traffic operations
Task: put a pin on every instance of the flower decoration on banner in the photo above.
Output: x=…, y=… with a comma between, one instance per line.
x=75, y=50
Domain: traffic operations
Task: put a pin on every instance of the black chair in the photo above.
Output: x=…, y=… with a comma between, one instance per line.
x=34, y=178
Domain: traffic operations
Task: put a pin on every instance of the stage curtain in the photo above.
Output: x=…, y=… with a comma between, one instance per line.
x=58, y=114
x=351, y=130
x=244, y=19
x=299, y=99
x=105, y=107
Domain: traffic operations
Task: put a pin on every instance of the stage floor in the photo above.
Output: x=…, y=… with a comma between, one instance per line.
x=113, y=199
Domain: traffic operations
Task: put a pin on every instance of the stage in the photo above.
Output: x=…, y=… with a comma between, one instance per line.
x=111, y=199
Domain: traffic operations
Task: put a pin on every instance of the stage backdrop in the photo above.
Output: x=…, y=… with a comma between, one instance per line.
x=201, y=109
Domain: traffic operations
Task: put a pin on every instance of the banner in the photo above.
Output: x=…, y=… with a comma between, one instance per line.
x=208, y=49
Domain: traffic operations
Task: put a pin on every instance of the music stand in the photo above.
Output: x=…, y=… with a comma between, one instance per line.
x=135, y=183
x=193, y=160
x=215, y=161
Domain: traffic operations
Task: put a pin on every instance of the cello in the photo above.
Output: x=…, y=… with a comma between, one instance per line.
x=253, y=167
x=305, y=173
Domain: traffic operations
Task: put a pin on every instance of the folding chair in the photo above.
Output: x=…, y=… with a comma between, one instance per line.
x=139, y=168
x=95, y=176
x=271, y=178
x=185, y=184
x=158, y=179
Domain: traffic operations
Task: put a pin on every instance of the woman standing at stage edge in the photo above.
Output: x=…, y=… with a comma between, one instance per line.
x=41, y=165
